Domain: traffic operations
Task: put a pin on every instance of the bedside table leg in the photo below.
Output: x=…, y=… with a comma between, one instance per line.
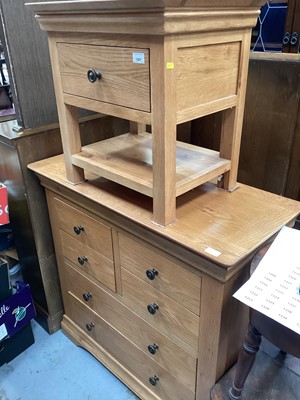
x=68, y=120
x=164, y=126
x=233, y=121
x=137, y=127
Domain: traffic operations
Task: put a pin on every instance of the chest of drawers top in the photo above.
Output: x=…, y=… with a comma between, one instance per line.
x=232, y=224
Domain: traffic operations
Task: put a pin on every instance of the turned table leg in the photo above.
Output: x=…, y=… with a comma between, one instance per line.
x=245, y=361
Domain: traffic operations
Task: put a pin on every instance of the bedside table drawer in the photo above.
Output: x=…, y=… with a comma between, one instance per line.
x=89, y=260
x=124, y=74
x=84, y=228
x=160, y=311
x=145, y=369
x=149, y=340
x=161, y=273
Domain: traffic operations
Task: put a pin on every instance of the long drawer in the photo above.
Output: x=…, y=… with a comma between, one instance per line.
x=124, y=79
x=89, y=260
x=161, y=311
x=161, y=273
x=163, y=384
x=164, y=351
x=84, y=228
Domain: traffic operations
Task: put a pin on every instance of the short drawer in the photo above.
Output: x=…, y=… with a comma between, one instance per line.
x=162, y=312
x=89, y=260
x=149, y=340
x=143, y=367
x=124, y=72
x=84, y=228
x=161, y=273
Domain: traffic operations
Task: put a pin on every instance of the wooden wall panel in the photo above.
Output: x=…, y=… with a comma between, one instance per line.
x=292, y=189
x=269, y=124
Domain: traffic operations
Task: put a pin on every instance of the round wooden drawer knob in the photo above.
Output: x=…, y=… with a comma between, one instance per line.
x=153, y=380
x=152, y=348
x=152, y=308
x=151, y=273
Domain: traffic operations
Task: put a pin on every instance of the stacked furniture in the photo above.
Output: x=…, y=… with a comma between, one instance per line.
x=147, y=286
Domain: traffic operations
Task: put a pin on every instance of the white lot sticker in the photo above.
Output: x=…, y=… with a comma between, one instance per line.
x=213, y=252
x=3, y=331
x=138, y=58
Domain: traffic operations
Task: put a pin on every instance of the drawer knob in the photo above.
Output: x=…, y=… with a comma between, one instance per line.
x=152, y=308
x=93, y=75
x=153, y=380
x=78, y=229
x=90, y=326
x=86, y=296
x=152, y=348
x=82, y=260
x=151, y=273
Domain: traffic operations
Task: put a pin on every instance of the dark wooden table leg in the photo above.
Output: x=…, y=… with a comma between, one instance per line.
x=245, y=361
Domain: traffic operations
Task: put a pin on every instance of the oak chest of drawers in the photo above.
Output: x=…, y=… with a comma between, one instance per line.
x=155, y=304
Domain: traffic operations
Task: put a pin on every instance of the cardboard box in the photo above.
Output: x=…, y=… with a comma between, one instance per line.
x=16, y=311
x=4, y=215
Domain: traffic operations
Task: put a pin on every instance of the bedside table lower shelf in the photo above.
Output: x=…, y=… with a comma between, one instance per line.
x=127, y=160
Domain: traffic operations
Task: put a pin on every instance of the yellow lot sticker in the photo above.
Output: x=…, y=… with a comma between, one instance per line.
x=170, y=65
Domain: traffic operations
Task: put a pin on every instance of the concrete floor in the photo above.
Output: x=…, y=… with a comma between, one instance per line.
x=53, y=368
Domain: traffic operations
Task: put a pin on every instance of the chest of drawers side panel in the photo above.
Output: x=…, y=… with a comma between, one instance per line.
x=223, y=323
